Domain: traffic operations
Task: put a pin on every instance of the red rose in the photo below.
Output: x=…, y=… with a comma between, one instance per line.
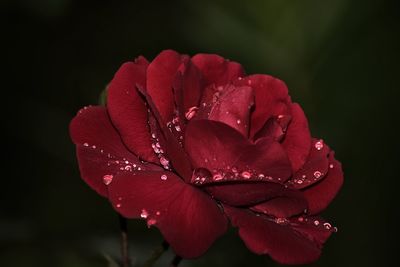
x=191, y=143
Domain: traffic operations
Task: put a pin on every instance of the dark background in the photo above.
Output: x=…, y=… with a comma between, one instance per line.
x=339, y=59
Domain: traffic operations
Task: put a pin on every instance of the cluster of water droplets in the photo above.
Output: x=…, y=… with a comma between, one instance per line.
x=319, y=145
x=155, y=144
x=151, y=219
x=203, y=176
x=175, y=127
x=115, y=163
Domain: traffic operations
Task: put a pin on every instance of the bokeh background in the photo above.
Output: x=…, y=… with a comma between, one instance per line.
x=339, y=59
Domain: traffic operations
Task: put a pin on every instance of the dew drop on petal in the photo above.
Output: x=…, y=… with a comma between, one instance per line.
x=238, y=121
x=177, y=128
x=319, y=145
x=246, y=174
x=151, y=222
x=164, y=161
x=158, y=213
x=107, y=179
x=217, y=177
x=191, y=112
x=300, y=219
x=128, y=167
x=316, y=222
x=327, y=226
x=331, y=166
x=281, y=220
x=261, y=176
x=144, y=214
x=164, y=177
x=85, y=144
x=317, y=174
x=118, y=205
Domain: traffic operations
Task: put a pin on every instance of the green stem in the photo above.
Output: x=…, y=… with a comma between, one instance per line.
x=156, y=254
x=124, y=241
x=175, y=262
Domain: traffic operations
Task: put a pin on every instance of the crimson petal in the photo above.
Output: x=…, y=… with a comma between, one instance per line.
x=321, y=194
x=271, y=98
x=160, y=78
x=127, y=109
x=288, y=204
x=217, y=70
x=244, y=194
x=297, y=140
x=189, y=219
x=216, y=146
x=100, y=151
x=283, y=242
x=233, y=108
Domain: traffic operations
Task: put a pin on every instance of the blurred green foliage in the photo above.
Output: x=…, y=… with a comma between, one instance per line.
x=339, y=59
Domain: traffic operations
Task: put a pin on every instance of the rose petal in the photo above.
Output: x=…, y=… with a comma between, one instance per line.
x=217, y=70
x=282, y=242
x=244, y=194
x=233, y=108
x=192, y=85
x=100, y=150
x=127, y=109
x=174, y=151
x=271, y=98
x=189, y=219
x=297, y=140
x=160, y=78
x=290, y=203
x=216, y=146
x=321, y=194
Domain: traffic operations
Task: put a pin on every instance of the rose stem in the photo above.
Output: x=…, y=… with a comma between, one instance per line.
x=124, y=241
x=175, y=262
x=156, y=254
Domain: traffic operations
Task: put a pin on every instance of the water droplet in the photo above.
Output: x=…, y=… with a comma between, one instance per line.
x=191, y=113
x=246, y=175
x=335, y=229
x=158, y=213
x=238, y=121
x=281, y=220
x=164, y=177
x=317, y=174
x=164, y=161
x=118, y=205
x=299, y=181
x=144, y=214
x=107, y=179
x=153, y=135
x=303, y=176
x=316, y=222
x=177, y=128
x=126, y=162
x=94, y=147
x=327, y=226
x=331, y=166
x=151, y=222
x=128, y=167
x=234, y=169
x=217, y=177
x=261, y=176
x=319, y=145
x=300, y=219
x=249, y=82
x=85, y=144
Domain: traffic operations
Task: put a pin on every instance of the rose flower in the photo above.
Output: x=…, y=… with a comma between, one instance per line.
x=192, y=145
